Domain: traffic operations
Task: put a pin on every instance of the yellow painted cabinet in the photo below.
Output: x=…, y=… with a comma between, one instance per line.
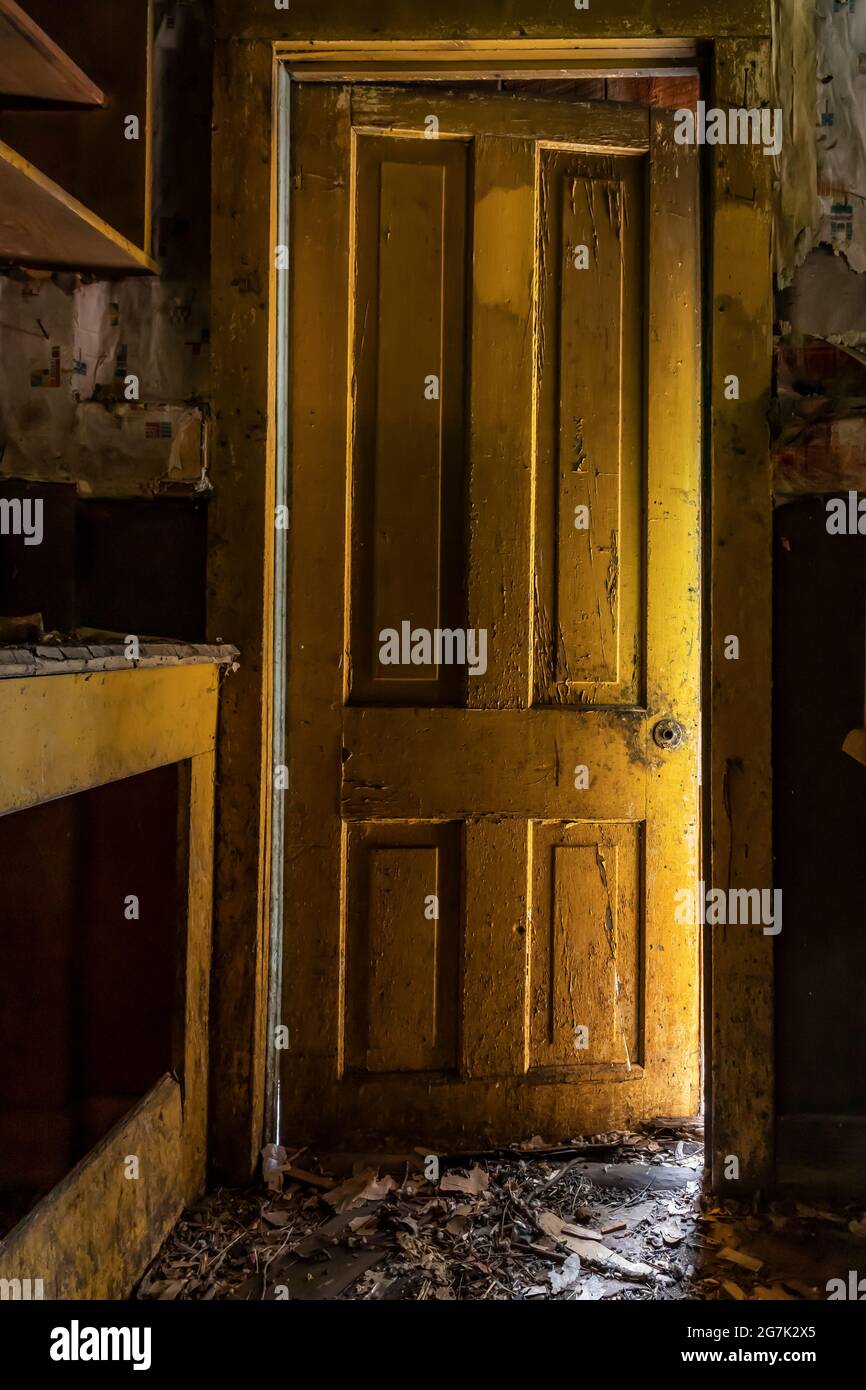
x=493, y=612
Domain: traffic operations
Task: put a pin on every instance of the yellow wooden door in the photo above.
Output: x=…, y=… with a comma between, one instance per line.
x=493, y=617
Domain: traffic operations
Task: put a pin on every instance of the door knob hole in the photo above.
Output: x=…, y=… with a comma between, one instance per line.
x=669, y=733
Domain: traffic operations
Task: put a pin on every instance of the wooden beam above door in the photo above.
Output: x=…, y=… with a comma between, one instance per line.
x=462, y=60
x=624, y=20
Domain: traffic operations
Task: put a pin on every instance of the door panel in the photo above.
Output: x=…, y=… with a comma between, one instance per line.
x=586, y=965
x=483, y=854
x=591, y=378
x=403, y=964
x=410, y=325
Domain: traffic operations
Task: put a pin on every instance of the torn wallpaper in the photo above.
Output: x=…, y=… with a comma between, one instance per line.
x=841, y=135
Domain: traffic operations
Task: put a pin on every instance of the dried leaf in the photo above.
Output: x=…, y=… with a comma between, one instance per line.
x=364, y=1225
x=671, y=1232
x=478, y=1181
x=365, y=1187
x=277, y=1217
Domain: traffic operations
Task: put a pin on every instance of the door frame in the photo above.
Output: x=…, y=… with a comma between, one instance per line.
x=257, y=48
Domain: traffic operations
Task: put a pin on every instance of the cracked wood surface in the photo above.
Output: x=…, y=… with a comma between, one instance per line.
x=549, y=907
x=742, y=1094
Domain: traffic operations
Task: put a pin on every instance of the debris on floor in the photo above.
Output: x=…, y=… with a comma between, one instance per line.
x=616, y=1216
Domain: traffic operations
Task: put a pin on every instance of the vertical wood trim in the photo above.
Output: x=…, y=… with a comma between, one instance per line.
x=314, y=954
x=147, y=230
x=500, y=439
x=199, y=914
x=673, y=609
x=182, y=862
x=275, y=842
x=240, y=585
x=498, y=866
x=741, y=1005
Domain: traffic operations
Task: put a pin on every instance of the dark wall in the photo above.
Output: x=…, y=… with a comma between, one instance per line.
x=819, y=801
x=121, y=565
x=140, y=567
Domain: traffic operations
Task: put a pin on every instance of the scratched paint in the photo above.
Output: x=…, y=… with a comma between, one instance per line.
x=547, y=944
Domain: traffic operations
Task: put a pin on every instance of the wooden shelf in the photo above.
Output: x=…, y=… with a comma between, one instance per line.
x=43, y=226
x=33, y=66
x=84, y=149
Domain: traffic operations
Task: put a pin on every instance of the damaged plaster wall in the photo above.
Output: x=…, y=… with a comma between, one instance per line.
x=841, y=135
x=819, y=71
x=70, y=345
x=820, y=246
